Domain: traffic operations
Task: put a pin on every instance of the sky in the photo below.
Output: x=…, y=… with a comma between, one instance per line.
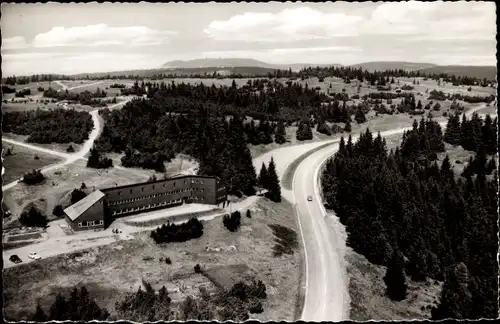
x=78, y=38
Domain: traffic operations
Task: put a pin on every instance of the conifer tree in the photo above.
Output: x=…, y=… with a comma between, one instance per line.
x=360, y=116
x=347, y=127
x=273, y=182
x=456, y=298
x=452, y=132
x=395, y=278
x=263, y=176
x=280, y=137
x=39, y=315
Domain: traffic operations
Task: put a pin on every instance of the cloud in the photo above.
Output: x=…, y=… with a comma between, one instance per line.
x=431, y=20
x=16, y=42
x=288, y=25
x=70, y=63
x=101, y=34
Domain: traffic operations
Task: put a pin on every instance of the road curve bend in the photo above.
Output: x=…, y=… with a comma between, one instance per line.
x=69, y=158
x=326, y=288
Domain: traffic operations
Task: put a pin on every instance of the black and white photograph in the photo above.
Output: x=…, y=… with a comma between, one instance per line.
x=249, y=161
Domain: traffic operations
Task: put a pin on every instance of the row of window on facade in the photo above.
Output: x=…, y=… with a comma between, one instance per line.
x=185, y=181
x=165, y=203
x=90, y=223
x=154, y=195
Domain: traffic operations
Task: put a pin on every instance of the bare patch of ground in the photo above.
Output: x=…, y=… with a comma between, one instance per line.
x=368, y=298
x=111, y=271
x=23, y=160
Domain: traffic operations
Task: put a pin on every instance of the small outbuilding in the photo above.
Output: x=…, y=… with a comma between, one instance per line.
x=87, y=213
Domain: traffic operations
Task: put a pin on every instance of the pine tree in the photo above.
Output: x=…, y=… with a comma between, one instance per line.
x=456, y=298
x=452, y=132
x=347, y=127
x=263, y=176
x=273, y=182
x=280, y=136
x=395, y=278
x=58, y=310
x=360, y=116
x=39, y=315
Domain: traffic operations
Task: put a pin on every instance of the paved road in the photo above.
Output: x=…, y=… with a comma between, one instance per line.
x=326, y=287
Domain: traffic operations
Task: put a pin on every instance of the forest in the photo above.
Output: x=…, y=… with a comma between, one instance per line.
x=345, y=72
x=48, y=126
x=147, y=305
x=404, y=210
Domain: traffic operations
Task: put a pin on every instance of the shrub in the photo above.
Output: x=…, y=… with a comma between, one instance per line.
x=33, y=218
x=33, y=177
x=178, y=233
x=70, y=149
x=197, y=268
x=58, y=211
x=233, y=222
x=37, y=157
x=77, y=195
x=249, y=214
x=168, y=261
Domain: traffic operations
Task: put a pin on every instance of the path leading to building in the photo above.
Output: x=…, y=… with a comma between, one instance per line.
x=60, y=243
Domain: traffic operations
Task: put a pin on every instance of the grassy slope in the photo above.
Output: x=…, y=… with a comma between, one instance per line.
x=111, y=271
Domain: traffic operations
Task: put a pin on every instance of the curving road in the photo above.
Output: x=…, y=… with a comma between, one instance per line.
x=70, y=158
x=326, y=286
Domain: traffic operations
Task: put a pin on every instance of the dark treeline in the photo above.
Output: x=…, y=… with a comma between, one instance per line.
x=346, y=73
x=150, y=135
x=440, y=95
x=6, y=89
x=13, y=80
x=178, y=233
x=258, y=98
x=382, y=77
x=474, y=134
x=148, y=305
x=22, y=93
x=78, y=306
x=47, y=126
x=85, y=98
x=403, y=204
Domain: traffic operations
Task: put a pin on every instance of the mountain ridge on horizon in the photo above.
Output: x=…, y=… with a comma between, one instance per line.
x=459, y=70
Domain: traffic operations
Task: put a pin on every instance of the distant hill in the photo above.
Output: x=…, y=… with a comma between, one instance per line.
x=488, y=72
x=382, y=66
x=235, y=62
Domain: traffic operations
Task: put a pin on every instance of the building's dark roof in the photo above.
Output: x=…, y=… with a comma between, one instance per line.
x=74, y=211
x=159, y=181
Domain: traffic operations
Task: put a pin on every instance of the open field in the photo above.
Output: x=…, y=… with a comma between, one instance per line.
x=368, y=298
x=180, y=164
x=58, y=147
x=491, y=110
x=109, y=272
x=23, y=160
x=66, y=179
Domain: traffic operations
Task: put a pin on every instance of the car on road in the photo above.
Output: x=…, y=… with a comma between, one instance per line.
x=309, y=198
x=15, y=259
x=34, y=256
